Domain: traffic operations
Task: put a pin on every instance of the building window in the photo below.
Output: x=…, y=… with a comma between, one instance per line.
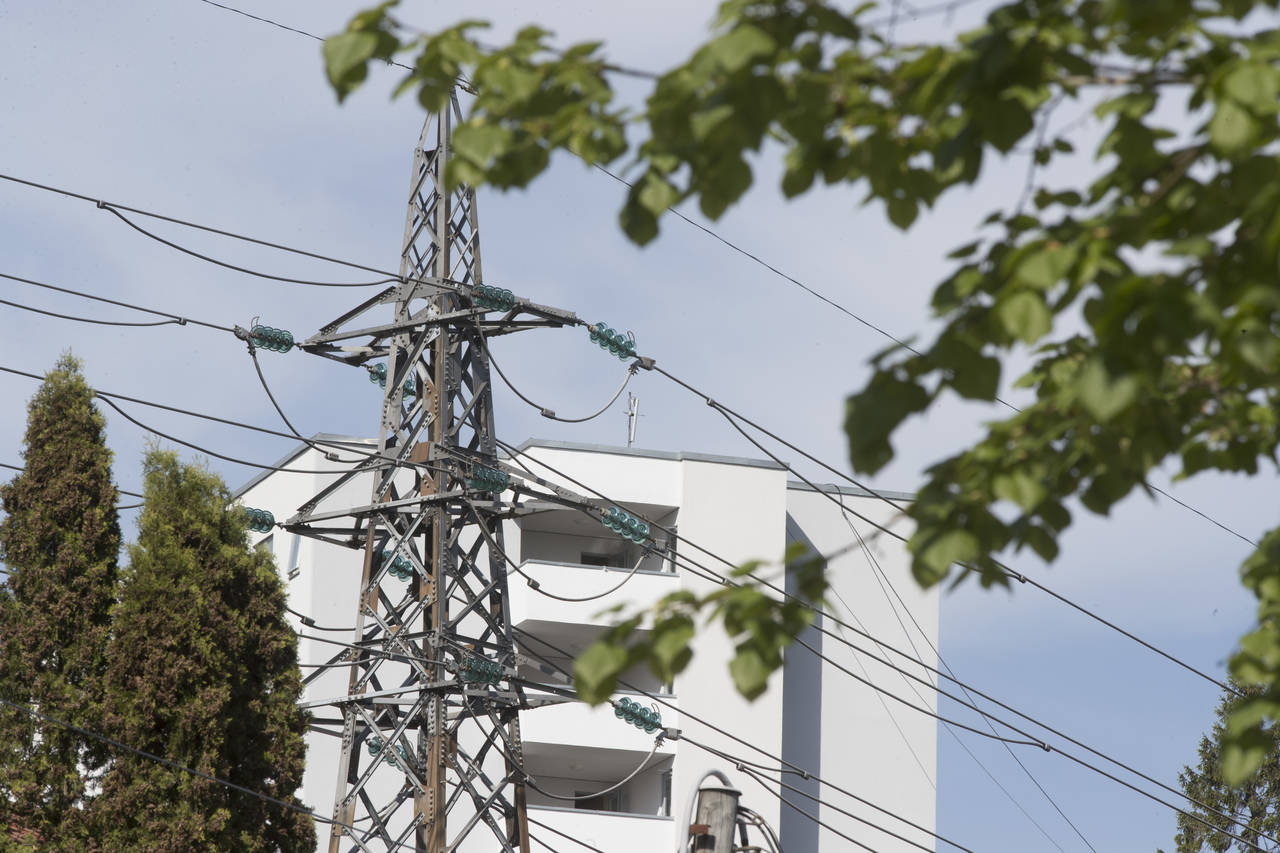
x=610, y=802
x=267, y=544
x=294, y=568
x=664, y=808
x=590, y=558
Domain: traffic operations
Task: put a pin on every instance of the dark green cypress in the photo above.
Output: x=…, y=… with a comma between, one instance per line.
x=202, y=670
x=60, y=540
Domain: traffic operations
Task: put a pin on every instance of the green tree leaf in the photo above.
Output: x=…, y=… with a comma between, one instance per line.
x=1025, y=316
x=596, y=670
x=739, y=46
x=1046, y=266
x=1232, y=128
x=749, y=671
x=1101, y=395
x=935, y=554
x=1020, y=488
x=346, y=59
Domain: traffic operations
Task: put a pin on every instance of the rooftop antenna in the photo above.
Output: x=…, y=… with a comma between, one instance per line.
x=633, y=414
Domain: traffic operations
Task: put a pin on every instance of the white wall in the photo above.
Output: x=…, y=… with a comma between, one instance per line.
x=871, y=745
x=813, y=715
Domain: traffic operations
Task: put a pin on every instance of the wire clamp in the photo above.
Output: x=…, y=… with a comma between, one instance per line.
x=546, y=413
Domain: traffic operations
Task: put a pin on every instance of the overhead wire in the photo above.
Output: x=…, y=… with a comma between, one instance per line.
x=236, y=268
x=807, y=774
x=109, y=398
x=765, y=783
x=545, y=411
x=20, y=469
x=882, y=579
x=239, y=333
x=685, y=713
x=196, y=225
x=171, y=764
x=536, y=585
x=175, y=318
x=327, y=454
x=947, y=7
x=92, y=320
x=532, y=782
x=1043, y=745
x=565, y=836
x=733, y=417
x=201, y=449
x=391, y=276
x=311, y=623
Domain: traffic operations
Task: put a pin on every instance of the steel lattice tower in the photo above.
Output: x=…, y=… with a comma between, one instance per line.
x=431, y=749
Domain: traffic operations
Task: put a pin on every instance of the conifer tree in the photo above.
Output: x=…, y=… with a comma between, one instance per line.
x=60, y=540
x=1254, y=803
x=202, y=670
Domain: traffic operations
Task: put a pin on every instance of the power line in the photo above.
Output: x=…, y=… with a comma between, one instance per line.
x=806, y=773
x=238, y=332
x=686, y=713
x=744, y=768
x=200, y=449
x=167, y=762
x=882, y=579
x=173, y=318
x=947, y=8
x=970, y=705
x=914, y=689
x=733, y=416
x=199, y=227
x=550, y=413
x=20, y=469
x=391, y=276
x=109, y=397
x=226, y=265
x=1054, y=594
x=93, y=320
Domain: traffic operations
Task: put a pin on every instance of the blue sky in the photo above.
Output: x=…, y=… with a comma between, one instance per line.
x=189, y=110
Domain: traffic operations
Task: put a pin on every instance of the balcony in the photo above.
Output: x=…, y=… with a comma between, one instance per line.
x=631, y=816
x=579, y=581
x=577, y=725
x=617, y=833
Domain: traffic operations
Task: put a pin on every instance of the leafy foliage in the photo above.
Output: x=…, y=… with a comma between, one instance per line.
x=1255, y=802
x=1148, y=298
x=59, y=539
x=203, y=670
x=760, y=624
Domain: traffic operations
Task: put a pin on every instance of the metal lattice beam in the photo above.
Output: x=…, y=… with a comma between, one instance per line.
x=430, y=755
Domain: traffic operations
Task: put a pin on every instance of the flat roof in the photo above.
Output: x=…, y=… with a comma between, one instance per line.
x=584, y=447
x=301, y=448
x=677, y=456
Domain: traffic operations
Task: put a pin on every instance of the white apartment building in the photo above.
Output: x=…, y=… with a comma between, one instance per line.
x=816, y=715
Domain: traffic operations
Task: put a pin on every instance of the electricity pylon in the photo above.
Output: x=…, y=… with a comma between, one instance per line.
x=431, y=749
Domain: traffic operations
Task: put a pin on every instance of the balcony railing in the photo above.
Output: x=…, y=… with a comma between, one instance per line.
x=579, y=725
x=617, y=832
x=640, y=588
